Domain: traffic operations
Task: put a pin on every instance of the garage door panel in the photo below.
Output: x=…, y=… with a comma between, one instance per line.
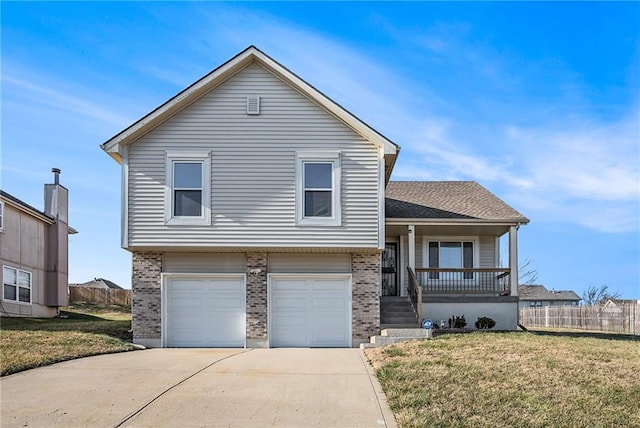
x=327, y=285
x=205, y=312
x=310, y=311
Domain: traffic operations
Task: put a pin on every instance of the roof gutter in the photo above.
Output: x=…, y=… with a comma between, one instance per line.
x=453, y=222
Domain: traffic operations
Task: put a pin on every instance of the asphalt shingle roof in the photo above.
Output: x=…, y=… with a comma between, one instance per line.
x=539, y=292
x=446, y=200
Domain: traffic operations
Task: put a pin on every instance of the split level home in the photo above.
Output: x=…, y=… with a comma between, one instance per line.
x=259, y=213
x=34, y=253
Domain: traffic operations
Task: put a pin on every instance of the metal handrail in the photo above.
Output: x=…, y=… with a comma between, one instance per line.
x=415, y=293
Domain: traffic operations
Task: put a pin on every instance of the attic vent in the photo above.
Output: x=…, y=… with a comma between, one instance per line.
x=253, y=104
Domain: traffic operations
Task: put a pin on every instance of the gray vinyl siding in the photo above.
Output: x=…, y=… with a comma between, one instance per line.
x=253, y=170
x=309, y=263
x=203, y=263
x=487, y=252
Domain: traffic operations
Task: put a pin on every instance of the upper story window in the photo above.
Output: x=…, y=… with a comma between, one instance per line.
x=318, y=188
x=188, y=195
x=16, y=285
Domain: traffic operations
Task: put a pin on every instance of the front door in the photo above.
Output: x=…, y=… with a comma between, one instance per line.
x=390, y=270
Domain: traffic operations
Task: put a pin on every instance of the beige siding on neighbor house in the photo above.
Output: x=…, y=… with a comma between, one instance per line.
x=22, y=246
x=309, y=263
x=253, y=170
x=203, y=262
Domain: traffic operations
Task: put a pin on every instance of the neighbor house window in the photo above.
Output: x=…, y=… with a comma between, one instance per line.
x=318, y=183
x=447, y=254
x=535, y=304
x=16, y=285
x=188, y=188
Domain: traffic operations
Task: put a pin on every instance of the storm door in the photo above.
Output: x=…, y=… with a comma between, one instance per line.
x=390, y=270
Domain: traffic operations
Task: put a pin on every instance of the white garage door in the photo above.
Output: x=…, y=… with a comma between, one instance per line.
x=205, y=311
x=310, y=311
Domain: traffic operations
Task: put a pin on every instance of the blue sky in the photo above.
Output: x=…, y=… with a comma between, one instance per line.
x=539, y=102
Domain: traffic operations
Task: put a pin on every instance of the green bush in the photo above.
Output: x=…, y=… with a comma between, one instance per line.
x=485, y=323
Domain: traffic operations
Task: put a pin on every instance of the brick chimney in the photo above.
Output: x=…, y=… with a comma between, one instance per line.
x=56, y=205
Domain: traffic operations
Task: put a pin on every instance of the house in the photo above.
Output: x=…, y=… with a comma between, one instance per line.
x=34, y=253
x=98, y=283
x=616, y=306
x=538, y=295
x=259, y=213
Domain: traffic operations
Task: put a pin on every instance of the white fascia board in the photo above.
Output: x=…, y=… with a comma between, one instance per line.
x=345, y=116
x=451, y=222
x=219, y=75
x=179, y=101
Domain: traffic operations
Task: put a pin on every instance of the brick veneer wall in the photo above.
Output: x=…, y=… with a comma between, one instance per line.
x=257, y=296
x=365, y=270
x=146, y=307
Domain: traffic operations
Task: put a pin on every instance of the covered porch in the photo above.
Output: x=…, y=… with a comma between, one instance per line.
x=451, y=249
x=451, y=268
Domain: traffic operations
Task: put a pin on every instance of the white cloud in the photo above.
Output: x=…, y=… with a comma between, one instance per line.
x=38, y=94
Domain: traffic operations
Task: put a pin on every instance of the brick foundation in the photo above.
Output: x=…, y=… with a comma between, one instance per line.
x=257, y=296
x=365, y=270
x=146, y=308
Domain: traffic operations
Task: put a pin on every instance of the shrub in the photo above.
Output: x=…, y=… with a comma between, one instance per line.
x=457, y=322
x=485, y=323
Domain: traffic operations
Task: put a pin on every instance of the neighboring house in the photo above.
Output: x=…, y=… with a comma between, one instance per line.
x=254, y=209
x=617, y=305
x=34, y=253
x=98, y=283
x=538, y=295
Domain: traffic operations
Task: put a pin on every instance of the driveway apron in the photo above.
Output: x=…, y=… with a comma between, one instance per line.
x=200, y=387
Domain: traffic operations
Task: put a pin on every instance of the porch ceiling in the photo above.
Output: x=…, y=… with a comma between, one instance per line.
x=393, y=231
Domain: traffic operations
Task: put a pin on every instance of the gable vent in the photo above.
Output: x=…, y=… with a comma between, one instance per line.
x=253, y=104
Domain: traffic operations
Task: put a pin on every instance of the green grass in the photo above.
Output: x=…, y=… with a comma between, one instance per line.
x=83, y=330
x=511, y=379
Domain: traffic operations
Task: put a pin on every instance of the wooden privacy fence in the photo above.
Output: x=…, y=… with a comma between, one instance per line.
x=616, y=319
x=100, y=295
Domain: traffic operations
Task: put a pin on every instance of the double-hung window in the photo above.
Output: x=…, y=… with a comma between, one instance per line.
x=451, y=254
x=16, y=285
x=318, y=188
x=188, y=179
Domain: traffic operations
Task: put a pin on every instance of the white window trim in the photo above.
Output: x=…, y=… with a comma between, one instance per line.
x=1, y=216
x=474, y=239
x=188, y=156
x=324, y=157
x=17, y=301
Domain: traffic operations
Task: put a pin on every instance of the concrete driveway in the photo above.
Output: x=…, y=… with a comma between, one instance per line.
x=200, y=387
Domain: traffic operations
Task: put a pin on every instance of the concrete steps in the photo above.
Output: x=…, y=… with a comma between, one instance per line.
x=396, y=310
x=393, y=335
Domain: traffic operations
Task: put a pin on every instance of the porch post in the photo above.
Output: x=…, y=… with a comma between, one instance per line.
x=513, y=259
x=412, y=246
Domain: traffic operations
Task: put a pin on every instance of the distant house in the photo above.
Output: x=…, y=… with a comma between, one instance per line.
x=98, y=283
x=538, y=295
x=34, y=253
x=617, y=305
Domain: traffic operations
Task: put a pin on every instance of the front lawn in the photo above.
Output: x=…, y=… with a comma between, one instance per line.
x=511, y=380
x=88, y=329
